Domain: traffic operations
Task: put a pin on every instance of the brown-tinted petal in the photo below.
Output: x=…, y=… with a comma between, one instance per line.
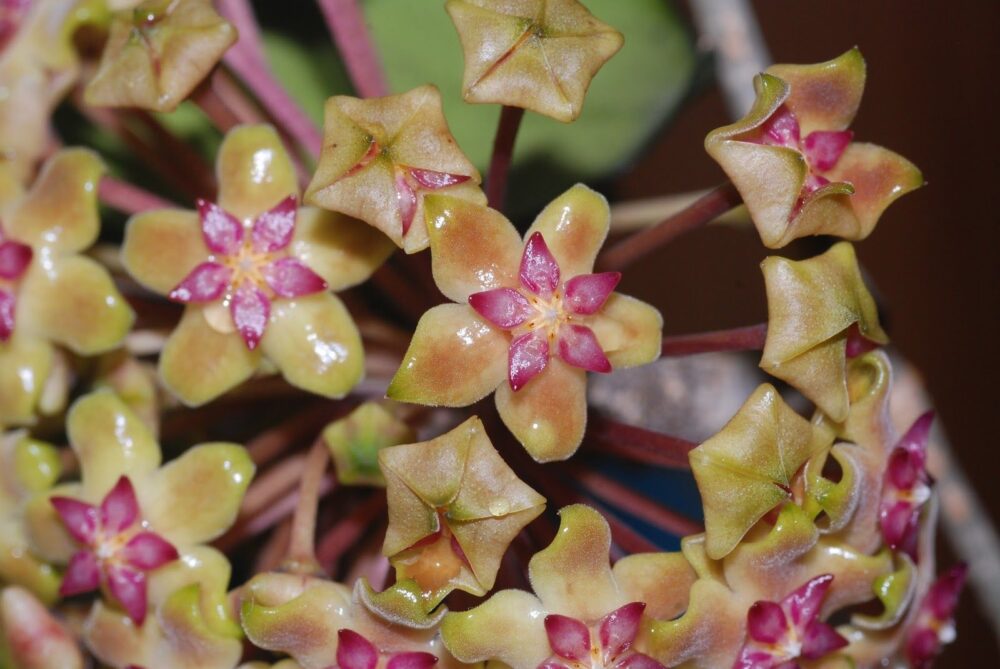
x=162, y=247
x=574, y=226
x=254, y=171
x=825, y=96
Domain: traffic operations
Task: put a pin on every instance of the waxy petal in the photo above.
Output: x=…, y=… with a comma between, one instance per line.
x=504, y=307
x=781, y=129
x=568, y=637
x=8, y=304
x=473, y=248
x=411, y=661
x=162, y=247
x=199, y=363
x=618, y=630
x=14, y=259
x=803, y=603
x=766, y=623
x=578, y=346
x=290, y=277
x=899, y=523
x=456, y=358
x=539, y=271
x=25, y=366
x=354, y=651
x=80, y=519
x=471, y=636
x=639, y=661
x=586, y=294
x=272, y=230
x=548, y=416
x=254, y=171
x=128, y=587
x=432, y=180
x=206, y=283
x=251, y=310
x=148, y=550
x=879, y=177
x=83, y=574
x=119, y=508
x=343, y=250
x=824, y=96
x=73, y=301
x=406, y=199
x=314, y=342
x=824, y=147
x=223, y=232
x=942, y=598
x=820, y=639
x=574, y=226
x=35, y=638
x=629, y=331
x=527, y=358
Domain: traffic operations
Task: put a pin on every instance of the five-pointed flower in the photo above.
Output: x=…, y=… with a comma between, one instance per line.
x=780, y=632
x=157, y=52
x=253, y=270
x=584, y=613
x=381, y=156
x=49, y=292
x=934, y=626
x=531, y=318
x=117, y=552
x=539, y=54
x=906, y=488
x=792, y=159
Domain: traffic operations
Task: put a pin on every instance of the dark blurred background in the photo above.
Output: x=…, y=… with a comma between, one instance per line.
x=933, y=260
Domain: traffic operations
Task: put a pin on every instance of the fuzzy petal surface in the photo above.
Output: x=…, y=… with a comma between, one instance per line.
x=825, y=96
x=162, y=247
x=629, y=331
x=254, y=171
x=574, y=226
x=471, y=635
x=342, y=250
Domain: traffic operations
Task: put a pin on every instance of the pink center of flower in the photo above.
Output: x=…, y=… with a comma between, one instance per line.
x=821, y=148
x=906, y=487
x=356, y=652
x=935, y=626
x=544, y=312
x=410, y=182
x=119, y=550
x=778, y=632
x=15, y=258
x=609, y=644
x=12, y=13
x=247, y=272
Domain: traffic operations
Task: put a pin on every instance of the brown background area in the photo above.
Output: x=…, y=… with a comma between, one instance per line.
x=932, y=95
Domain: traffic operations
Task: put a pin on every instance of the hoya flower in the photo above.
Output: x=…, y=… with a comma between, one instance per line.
x=746, y=469
x=778, y=633
x=30, y=467
x=819, y=312
x=584, y=613
x=536, y=54
x=32, y=638
x=906, y=488
x=355, y=441
x=322, y=624
x=454, y=508
x=50, y=294
x=935, y=626
x=793, y=161
x=157, y=52
x=254, y=270
x=381, y=156
x=531, y=319
x=128, y=519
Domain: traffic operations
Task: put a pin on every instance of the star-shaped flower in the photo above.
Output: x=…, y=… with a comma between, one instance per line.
x=906, y=488
x=157, y=52
x=935, y=626
x=454, y=508
x=254, y=271
x=117, y=552
x=50, y=293
x=381, y=156
x=780, y=632
x=531, y=319
x=538, y=54
x=584, y=613
x=818, y=310
x=794, y=163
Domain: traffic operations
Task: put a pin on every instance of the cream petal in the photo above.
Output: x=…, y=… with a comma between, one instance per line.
x=879, y=176
x=574, y=226
x=73, y=301
x=660, y=580
x=456, y=358
x=254, y=171
x=25, y=365
x=162, y=247
x=471, y=636
x=315, y=344
x=198, y=363
x=629, y=330
x=342, y=250
x=825, y=96
x=549, y=414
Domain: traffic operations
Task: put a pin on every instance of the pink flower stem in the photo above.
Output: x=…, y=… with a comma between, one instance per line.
x=217, y=111
x=503, y=152
x=704, y=210
x=246, y=59
x=346, y=23
x=639, y=505
x=127, y=198
x=301, y=555
x=273, y=443
x=639, y=444
x=747, y=338
x=345, y=533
